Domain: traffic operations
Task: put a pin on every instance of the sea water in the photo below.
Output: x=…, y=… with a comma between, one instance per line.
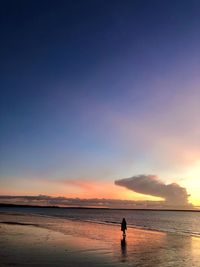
x=180, y=222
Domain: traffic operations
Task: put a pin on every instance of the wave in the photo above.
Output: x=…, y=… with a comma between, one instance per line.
x=133, y=226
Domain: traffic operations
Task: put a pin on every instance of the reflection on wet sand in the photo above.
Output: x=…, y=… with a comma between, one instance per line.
x=123, y=249
x=145, y=248
x=162, y=249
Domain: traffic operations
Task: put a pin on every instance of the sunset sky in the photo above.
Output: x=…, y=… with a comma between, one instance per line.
x=97, y=91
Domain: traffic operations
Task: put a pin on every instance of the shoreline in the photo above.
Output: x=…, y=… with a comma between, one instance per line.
x=41, y=240
x=73, y=220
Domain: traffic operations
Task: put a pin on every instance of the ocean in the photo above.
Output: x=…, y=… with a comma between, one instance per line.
x=179, y=222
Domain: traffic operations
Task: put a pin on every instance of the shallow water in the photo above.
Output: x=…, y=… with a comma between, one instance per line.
x=77, y=242
x=180, y=222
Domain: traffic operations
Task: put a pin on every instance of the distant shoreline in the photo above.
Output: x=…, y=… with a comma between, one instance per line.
x=94, y=208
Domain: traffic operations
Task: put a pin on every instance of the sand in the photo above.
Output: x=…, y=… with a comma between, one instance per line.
x=32, y=240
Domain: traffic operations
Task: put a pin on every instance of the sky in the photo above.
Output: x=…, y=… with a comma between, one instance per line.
x=97, y=92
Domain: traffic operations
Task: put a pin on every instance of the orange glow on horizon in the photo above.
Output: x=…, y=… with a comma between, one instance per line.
x=192, y=182
x=94, y=189
x=86, y=189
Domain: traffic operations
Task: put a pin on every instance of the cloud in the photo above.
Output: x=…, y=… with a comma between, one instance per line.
x=43, y=200
x=173, y=194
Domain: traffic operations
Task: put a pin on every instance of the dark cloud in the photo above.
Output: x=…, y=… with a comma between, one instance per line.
x=173, y=194
x=43, y=200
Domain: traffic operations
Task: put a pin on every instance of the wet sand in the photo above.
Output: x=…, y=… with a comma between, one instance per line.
x=31, y=240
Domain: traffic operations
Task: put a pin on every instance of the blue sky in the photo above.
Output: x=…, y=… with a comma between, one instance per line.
x=98, y=90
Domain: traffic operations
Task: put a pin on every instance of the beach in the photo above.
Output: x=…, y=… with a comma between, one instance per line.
x=34, y=240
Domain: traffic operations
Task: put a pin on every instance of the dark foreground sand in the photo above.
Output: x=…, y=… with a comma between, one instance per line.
x=29, y=240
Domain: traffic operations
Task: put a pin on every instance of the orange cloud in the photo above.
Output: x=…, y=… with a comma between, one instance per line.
x=95, y=189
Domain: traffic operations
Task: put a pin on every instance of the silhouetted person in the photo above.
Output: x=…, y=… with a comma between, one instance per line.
x=123, y=226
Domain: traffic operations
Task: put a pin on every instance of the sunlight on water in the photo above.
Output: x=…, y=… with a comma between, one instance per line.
x=182, y=222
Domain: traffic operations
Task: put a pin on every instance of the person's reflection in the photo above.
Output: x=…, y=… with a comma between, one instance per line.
x=123, y=248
